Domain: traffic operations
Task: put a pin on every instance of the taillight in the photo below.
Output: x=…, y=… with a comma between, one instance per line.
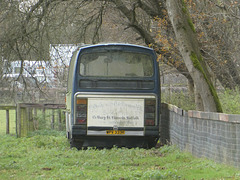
x=81, y=111
x=150, y=112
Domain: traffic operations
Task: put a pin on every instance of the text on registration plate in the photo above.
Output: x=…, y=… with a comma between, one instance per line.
x=115, y=132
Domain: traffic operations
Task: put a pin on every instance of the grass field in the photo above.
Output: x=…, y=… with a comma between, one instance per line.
x=46, y=155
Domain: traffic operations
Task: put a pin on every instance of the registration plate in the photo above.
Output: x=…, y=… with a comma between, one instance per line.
x=115, y=132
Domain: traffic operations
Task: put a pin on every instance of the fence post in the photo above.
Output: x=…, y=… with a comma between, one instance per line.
x=16, y=130
x=18, y=121
x=35, y=120
x=53, y=119
x=27, y=120
x=7, y=121
x=30, y=119
x=24, y=121
x=59, y=120
x=44, y=118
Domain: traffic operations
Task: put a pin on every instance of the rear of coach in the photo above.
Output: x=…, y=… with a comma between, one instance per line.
x=113, y=97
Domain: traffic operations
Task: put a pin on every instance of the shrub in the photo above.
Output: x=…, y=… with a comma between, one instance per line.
x=180, y=99
x=230, y=100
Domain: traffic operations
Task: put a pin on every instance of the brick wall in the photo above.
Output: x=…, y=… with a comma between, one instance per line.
x=215, y=136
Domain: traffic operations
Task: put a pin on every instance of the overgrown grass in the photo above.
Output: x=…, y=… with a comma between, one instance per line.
x=180, y=99
x=46, y=155
x=230, y=100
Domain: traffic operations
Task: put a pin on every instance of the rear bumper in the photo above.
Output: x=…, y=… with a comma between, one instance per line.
x=81, y=131
x=118, y=141
x=146, y=137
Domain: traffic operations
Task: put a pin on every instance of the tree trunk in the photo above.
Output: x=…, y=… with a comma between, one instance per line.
x=198, y=100
x=189, y=48
x=191, y=87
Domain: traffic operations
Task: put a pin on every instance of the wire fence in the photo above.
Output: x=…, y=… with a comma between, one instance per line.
x=211, y=135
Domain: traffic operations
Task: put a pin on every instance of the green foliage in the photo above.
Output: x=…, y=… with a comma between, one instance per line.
x=44, y=120
x=46, y=132
x=47, y=155
x=167, y=149
x=181, y=100
x=41, y=119
x=230, y=100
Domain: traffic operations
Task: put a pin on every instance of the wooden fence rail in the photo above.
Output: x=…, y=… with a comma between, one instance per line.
x=27, y=119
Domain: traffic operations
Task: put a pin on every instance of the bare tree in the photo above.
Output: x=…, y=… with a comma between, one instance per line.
x=217, y=23
x=28, y=31
x=189, y=48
